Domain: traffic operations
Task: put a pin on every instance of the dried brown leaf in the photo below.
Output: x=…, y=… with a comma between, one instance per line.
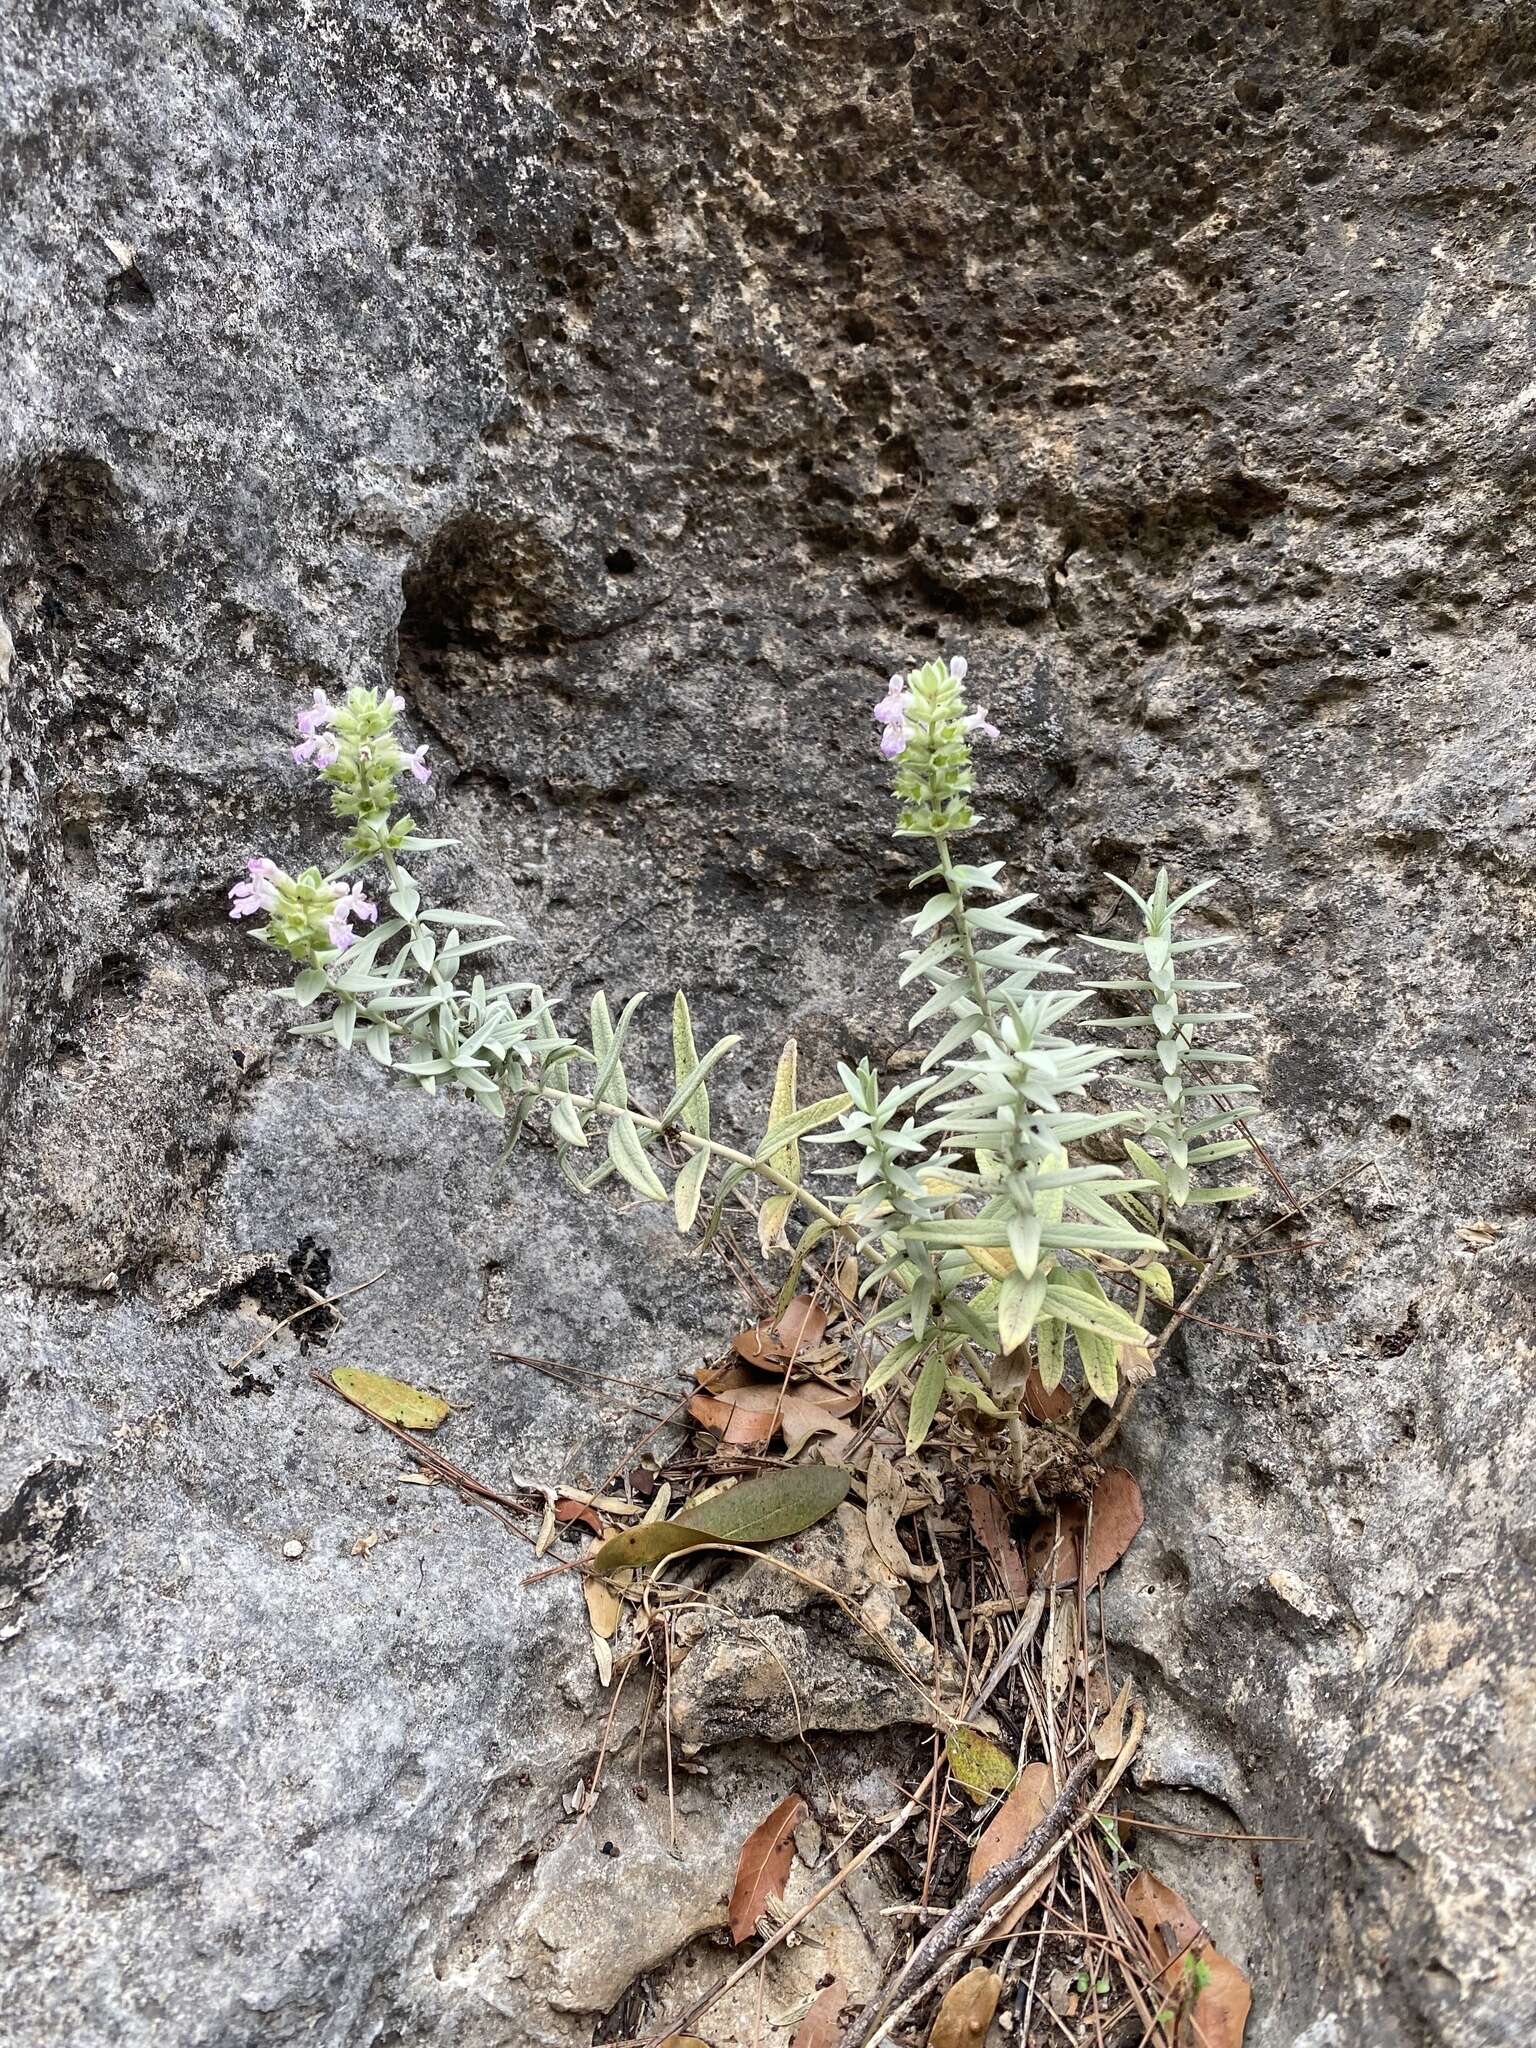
x=603, y=1607
x=1109, y=1736
x=1117, y=1514
x=889, y=1499
x=763, y=1866
x=1020, y=1813
x=738, y=1420
x=991, y=1523
x=967, y=2011
x=1059, y=1657
x=581, y=1511
x=1042, y=1405
x=1218, y=2014
x=781, y=1340
x=822, y=2026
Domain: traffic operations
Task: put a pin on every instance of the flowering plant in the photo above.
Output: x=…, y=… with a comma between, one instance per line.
x=988, y=1238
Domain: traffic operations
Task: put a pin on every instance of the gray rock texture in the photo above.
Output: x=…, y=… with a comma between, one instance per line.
x=640, y=387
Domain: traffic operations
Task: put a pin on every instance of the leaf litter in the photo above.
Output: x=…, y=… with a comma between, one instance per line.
x=1123, y=1959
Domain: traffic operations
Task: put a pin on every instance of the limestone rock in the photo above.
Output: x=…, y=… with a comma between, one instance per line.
x=639, y=387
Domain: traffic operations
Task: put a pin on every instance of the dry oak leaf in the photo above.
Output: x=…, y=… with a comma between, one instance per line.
x=1042, y=1405
x=1116, y=1515
x=1219, y=2013
x=967, y=2011
x=991, y=1523
x=822, y=2026
x=887, y=1500
x=566, y=1511
x=1021, y=1812
x=781, y=1340
x=755, y=1414
x=763, y=1866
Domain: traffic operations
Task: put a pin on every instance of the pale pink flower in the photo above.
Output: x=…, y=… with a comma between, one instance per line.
x=978, y=721
x=320, y=712
x=259, y=893
x=350, y=903
x=321, y=748
x=417, y=763
x=891, y=713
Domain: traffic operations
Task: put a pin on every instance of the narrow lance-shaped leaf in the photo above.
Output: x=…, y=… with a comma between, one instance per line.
x=811, y=1118
x=688, y=1190
x=759, y=1510
x=627, y=1154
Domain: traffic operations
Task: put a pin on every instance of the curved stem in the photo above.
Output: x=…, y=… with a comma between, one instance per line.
x=689, y=1138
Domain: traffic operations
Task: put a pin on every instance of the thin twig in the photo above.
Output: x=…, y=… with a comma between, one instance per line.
x=317, y=1301
x=943, y=1940
x=702, y=2004
x=434, y=1461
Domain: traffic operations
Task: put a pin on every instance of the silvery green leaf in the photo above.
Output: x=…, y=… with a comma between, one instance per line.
x=1096, y=1237
x=414, y=843
x=566, y=1124
x=933, y=910
x=377, y=1042
x=1098, y=1355
x=405, y=897
x=691, y=1100
x=727, y=1185
x=924, y=1404
x=895, y=1360
x=1075, y=1296
x=310, y=984
x=608, y=1044
x=788, y=1130
x=343, y=1024
x=1018, y=1308
x=461, y=917
x=1229, y=1148
x=423, y=949
x=1202, y=1197
x=422, y=1069
x=688, y=1189
x=485, y=1092
x=931, y=958
x=625, y=1150
x=979, y=877
x=1050, y=1351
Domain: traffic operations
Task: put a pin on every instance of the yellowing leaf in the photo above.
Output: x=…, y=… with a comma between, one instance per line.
x=1158, y=1281
x=978, y=1764
x=391, y=1400
x=603, y=1608
x=992, y=1259
x=771, y=1219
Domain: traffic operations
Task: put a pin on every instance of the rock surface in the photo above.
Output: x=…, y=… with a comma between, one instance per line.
x=640, y=391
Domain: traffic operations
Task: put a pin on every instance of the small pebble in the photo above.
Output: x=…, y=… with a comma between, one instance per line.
x=293, y=1549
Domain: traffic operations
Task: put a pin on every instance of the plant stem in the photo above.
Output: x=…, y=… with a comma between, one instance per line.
x=963, y=931
x=686, y=1137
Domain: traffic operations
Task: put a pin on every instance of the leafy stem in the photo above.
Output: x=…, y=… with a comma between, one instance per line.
x=543, y=1091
